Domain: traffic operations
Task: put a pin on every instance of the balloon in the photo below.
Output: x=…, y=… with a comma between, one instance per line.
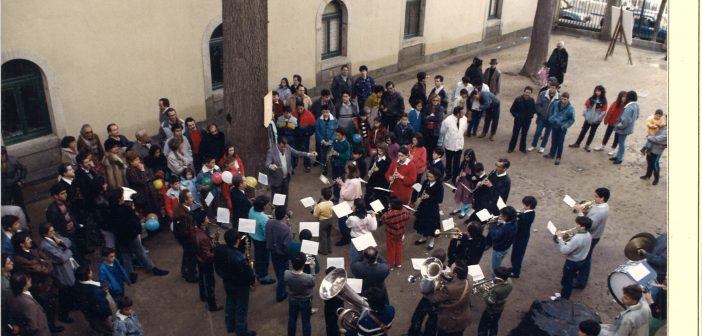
x=158, y=184
x=356, y=138
x=206, y=180
x=217, y=178
x=227, y=177
x=151, y=224
x=251, y=181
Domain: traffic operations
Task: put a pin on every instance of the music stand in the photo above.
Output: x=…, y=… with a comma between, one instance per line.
x=619, y=34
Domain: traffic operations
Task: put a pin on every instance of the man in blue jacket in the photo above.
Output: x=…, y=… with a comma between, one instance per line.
x=502, y=235
x=560, y=117
x=325, y=134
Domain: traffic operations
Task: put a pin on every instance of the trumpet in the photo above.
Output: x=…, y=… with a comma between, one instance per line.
x=567, y=235
x=586, y=206
x=483, y=286
x=456, y=233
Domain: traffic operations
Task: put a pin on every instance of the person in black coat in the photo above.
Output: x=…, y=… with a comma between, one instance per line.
x=428, y=218
x=474, y=72
x=212, y=143
x=341, y=83
x=469, y=247
x=558, y=62
x=240, y=203
x=392, y=106
x=519, y=246
x=482, y=196
x=419, y=90
x=91, y=299
x=237, y=278
x=376, y=176
x=523, y=110
x=499, y=184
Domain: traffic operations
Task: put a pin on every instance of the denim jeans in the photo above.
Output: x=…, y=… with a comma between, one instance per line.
x=236, y=308
x=570, y=269
x=261, y=259
x=474, y=121
x=489, y=323
x=620, y=143
x=584, y=274
x=280, y=264
x=541, y=126
x=299, y=307
x=497, y=257
x=558, y=137
x=134, y=247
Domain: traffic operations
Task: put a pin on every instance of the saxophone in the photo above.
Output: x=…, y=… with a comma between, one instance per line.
x=247, y=253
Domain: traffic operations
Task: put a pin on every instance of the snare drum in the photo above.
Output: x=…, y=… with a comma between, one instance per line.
x=626, y=274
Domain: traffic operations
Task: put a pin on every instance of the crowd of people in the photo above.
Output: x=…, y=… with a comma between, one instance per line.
x=108, y=192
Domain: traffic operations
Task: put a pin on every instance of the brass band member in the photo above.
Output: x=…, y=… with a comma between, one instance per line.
x=453, y=301
x=598, y=213
x=428, y=218
x=237, y=278
x=495, y=300
x=205, y=260
x=575, y=251
x=424, y=308
x=469, y=246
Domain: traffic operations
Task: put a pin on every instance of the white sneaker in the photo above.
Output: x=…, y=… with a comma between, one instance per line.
x=598, y=148
x=530, y=149
x=610, y=153
x=541, y=149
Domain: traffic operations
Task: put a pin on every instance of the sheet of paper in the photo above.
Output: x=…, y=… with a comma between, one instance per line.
x=569, y=200
x=209, y=199
x=500, y=203
x=377, y=206
x=247, y=225
x=279, y=199
x=382, y=189
x=408, y=207
x=484, y=215
x=476, y=272
x=262, y=178
x=342, y=209
x=324, y=179
x=309, y=247
x=222, y=215
x=417, y=187
x=638, y=272
x=307, y=202
x=417, y=263
x=336, y=262
x=312, y=226
x=447, y=224
x=363, y=242
x=355, y=284
x=450, y=186
x=551, y=228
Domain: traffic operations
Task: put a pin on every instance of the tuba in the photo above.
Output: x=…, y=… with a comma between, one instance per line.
x=334, y=285
x=431, y=269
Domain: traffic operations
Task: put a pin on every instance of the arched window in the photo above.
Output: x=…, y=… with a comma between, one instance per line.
x=24, y=109
x=217, y=58
x=332, y=19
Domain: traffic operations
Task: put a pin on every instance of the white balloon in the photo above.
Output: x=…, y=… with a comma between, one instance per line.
x=227, y=177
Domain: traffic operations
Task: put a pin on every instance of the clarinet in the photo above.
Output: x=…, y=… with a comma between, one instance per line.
x=481, y=182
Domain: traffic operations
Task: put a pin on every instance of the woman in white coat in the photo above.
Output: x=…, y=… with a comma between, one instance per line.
x=451, y=138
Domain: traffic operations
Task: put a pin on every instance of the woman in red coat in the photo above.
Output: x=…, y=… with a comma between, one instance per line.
x=402, y=175
x=615, y=110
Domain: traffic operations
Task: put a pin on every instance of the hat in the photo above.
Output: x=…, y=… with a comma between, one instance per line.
x=493, y=61
x=111, y=143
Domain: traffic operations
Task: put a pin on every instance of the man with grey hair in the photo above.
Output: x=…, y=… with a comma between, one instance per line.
x=558, y=62
x=142, y=144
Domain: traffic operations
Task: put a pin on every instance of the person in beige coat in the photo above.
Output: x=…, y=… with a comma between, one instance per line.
x=453, y=301
x=115, y=165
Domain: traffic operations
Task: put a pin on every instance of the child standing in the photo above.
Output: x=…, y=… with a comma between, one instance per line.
x=299, y=286
x=404, y=131
x=126, y=321
x=415, y=116
x=395, y=222
x=112, y=273
x=171, y=199
x=653, y=123
x=436, y=162
x=465, y=183
x=519, y=246
x=323, y=213
x=543, y=74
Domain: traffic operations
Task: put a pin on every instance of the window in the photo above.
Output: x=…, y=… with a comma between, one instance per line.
x=412, y=17
x=494, y=9
x=217, y=58
x=24, y=109
x=331, y=30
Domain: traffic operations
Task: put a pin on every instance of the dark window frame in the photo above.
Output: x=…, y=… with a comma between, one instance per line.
x=216, y=44
x=494, y=14
x=326, y=30
x=413, y=22
x=30, y=77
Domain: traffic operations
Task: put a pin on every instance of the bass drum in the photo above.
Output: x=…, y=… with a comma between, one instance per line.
x=621, y=277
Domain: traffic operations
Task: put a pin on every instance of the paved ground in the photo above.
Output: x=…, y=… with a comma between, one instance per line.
x=169, y=306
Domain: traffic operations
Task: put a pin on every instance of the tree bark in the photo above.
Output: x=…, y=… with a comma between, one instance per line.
x=245, y=34
x=540, y=36
x=659, y=17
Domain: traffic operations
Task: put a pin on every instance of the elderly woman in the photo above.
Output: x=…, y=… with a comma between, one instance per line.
x=115, y=165
x=177, y=160
x=69, y=150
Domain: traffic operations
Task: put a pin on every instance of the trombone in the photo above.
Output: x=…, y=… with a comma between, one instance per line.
x=456, y=233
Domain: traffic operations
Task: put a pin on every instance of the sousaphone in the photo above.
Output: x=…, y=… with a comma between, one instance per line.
x=643, y=240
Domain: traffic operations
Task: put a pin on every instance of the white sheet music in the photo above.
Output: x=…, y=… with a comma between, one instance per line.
x=569, y=200
x=307, y=202
x=279, y=199
x=476, y=272
x=312, y=226
x=342, y=209
x=355, y=284
x=447, y=224
x=484, y=215
x=262, y=178
x=417, y=187
x=500, y=203
x=309, y=247
x=638, y=272
x=336, y=262
x=363, y=242
x=222, y=215
x=324, y=179
x=209, y=198
x=450, y=186
x=377, y=206
x=417, y=263
x=551, y=228
x=247, y=225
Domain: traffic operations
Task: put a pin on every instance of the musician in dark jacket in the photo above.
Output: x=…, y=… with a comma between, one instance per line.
x=240, y=203
x=469, y=247
x=499, y=184
x=205, y=259
x=183, y=230
x=373, y=269
x=237, y=278
x=453, y=300
x=428, y=218
x=378, y=167
x=502, y=235
x=91, y=299
x=523, y=110
x=524, y=222
x=482, y=195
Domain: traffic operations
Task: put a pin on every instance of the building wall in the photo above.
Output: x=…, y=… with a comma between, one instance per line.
x=450, y=24
x=517, y=14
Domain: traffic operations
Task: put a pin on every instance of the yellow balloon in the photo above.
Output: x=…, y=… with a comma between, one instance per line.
x=158, y=184
x=251, y=181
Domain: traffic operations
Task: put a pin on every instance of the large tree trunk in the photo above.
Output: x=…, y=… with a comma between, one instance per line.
x=607, y=23
x=540, y=36
x=659, y=17
x=245, y=30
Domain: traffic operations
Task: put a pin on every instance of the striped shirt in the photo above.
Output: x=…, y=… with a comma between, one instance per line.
x=395, y=222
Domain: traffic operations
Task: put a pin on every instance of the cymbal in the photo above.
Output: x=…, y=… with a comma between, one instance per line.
x=642, y=240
